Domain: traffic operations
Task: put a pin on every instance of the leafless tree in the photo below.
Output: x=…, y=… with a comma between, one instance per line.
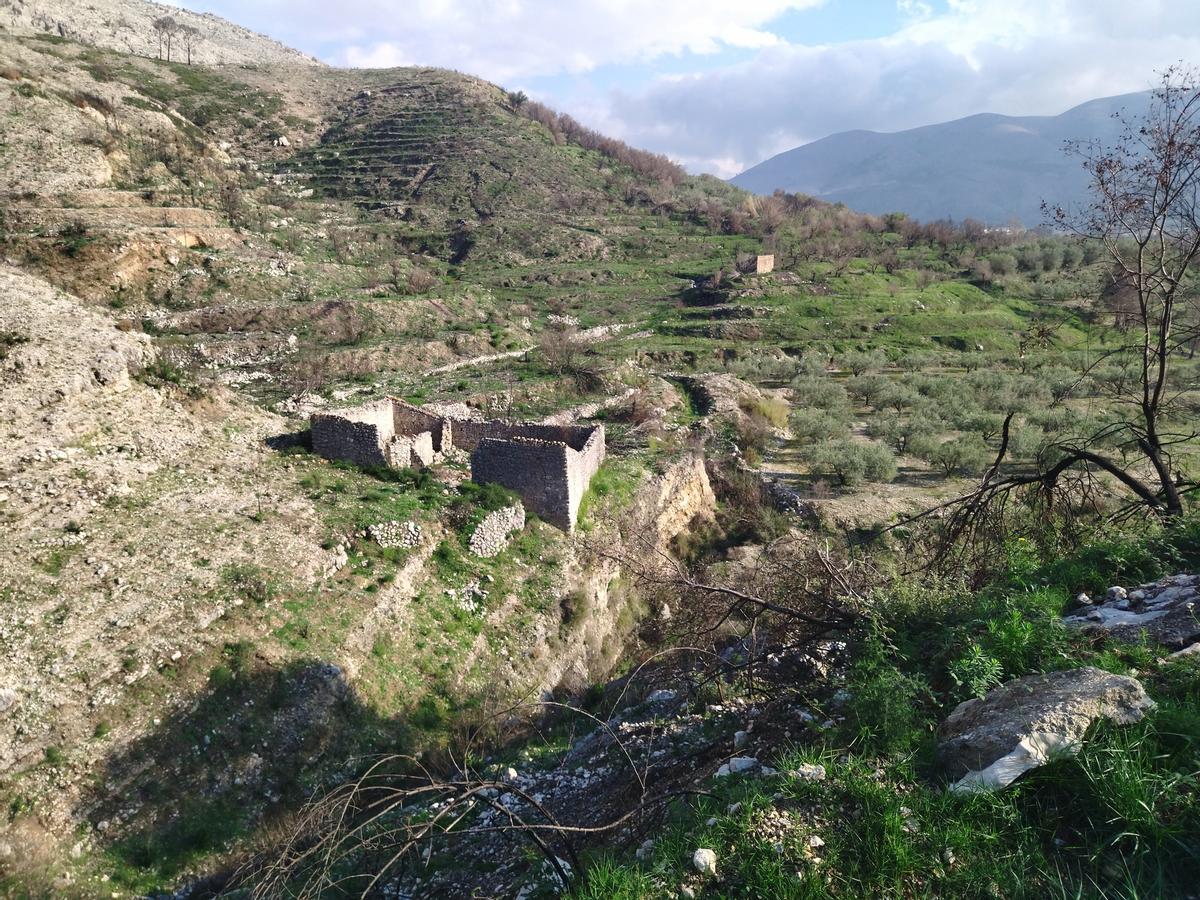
x=1145, y=211
x=191, y=37
x=165, y=27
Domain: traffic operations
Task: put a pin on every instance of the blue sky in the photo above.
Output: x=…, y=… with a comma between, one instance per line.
x=722, y=84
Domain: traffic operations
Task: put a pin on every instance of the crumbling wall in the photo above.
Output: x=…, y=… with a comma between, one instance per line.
x=467, y=434
x=357, y=435
x=412, y=420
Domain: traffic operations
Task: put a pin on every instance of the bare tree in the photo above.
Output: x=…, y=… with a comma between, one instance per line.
x=190, y=37
x=165, y=27
x=1145, y=211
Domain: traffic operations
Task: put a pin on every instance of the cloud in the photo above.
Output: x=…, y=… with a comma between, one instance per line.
x=1026, y=57
x=504, y=40
x=716, y=85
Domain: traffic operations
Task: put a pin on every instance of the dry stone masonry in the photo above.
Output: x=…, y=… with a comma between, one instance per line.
x=548, y=466
x=491, y=535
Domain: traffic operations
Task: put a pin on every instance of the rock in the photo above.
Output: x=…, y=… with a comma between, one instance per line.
x=1191, y=650
x=662, y=695
x=987, y=743
x=739, y=739
x=737, y=765
x=704, y=861
x=645, y=850
x=808, y=772
x=686, y=893
x=8, y=700
x=1083, y=600
x=1166, y=612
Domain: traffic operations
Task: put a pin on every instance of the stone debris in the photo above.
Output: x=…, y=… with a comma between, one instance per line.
x=492, y=534
x=738, y=765
x=395, y=534
x=988, y=743
x=808, y=772
x=1164, y=611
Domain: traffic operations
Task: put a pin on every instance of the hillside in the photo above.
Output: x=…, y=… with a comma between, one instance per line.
x=127, y=25
x=997, y=169
x=209, y=630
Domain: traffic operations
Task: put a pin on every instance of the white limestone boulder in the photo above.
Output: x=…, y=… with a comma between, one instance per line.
x=988, y=743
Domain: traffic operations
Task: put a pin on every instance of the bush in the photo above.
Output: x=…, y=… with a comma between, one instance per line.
x=819, y=392
x=965, y=455
x=812, y=426
x=853, y=462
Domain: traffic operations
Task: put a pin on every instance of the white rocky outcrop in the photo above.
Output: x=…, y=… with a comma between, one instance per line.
x=988, y=743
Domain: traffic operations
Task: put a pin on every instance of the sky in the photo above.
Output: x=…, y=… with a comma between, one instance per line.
x=719, y=85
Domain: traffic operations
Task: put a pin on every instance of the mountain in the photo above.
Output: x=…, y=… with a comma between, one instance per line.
x=990, y=167
x=126, y=25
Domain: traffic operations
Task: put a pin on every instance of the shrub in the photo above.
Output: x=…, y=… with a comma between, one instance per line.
x=965, y=455
x=853, y=462
x=812, y=426
x=976, y=672
x=419, y=281
x=819, y=392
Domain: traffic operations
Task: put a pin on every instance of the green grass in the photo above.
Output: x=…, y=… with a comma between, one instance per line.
x=1119, y=820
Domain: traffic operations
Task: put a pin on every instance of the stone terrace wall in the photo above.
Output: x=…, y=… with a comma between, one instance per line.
x=358, y=435
x=536, y=470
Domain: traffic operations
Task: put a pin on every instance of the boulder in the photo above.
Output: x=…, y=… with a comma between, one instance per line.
x=1166, y=612
x=987, y=743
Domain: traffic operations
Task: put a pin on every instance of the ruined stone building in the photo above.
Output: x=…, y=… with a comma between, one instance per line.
x=548, y=466
x=752, y=264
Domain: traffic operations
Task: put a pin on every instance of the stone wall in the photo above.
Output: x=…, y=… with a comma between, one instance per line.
x=535, y=470
x=467, y=435
x=358, y=435
x=581, y=466
x=548, y=466
x=412, y=420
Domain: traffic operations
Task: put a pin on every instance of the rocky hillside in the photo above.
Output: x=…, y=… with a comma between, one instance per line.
x=127, y=25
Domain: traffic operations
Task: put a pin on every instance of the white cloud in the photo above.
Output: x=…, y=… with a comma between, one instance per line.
x=1009, y=56
x=513, y=39
x=1026, y=57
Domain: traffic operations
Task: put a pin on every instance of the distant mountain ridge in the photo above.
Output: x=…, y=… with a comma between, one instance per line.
x=990, y=167
x=125, y=25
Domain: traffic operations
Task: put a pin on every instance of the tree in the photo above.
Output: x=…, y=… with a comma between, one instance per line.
x=1144, y=210
x=165, y=27
x=853, y=462
x=191, y=37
